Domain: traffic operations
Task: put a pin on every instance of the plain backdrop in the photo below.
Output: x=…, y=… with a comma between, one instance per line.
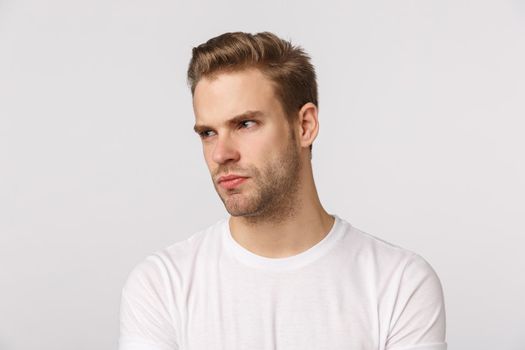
x=422, y=107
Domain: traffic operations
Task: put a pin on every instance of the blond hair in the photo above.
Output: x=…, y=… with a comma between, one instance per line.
x=287, y=65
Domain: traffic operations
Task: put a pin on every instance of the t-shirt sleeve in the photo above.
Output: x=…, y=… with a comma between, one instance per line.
x=418, y=318
x=146, y=320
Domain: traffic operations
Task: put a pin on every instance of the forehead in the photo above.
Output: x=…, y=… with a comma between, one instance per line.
x=231, y=93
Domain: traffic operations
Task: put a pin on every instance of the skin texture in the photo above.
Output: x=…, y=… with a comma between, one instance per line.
x=274, y=189
x=276, y=211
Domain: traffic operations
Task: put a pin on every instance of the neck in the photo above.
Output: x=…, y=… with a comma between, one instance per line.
x=288, y=231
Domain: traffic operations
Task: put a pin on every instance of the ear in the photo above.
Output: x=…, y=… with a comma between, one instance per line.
x=308, y=124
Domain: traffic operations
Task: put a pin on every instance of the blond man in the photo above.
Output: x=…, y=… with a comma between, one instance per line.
x=280, y=272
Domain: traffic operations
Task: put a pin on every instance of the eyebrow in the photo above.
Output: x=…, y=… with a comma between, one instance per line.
x=198, y=128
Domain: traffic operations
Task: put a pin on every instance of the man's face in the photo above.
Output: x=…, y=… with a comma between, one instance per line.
x=249, y=146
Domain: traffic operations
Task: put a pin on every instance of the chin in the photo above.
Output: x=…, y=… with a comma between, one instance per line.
x=235, y=208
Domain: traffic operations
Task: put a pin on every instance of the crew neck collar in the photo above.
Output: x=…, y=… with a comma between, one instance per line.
x=283, y=264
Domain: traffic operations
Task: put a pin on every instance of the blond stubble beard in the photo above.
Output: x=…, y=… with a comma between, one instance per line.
x=275, y=190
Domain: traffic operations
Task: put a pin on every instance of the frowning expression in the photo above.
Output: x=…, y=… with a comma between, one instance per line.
x=249, y=146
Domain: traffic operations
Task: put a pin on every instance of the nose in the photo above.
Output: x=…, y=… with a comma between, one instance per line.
x=225, y=150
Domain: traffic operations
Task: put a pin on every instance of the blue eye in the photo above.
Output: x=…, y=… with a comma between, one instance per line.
x=244, y=122
x=204, y=134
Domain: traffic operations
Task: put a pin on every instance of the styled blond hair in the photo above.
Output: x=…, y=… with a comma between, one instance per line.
x=287, y=65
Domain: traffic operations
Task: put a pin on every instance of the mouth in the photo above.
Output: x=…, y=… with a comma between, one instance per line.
x=231, y=181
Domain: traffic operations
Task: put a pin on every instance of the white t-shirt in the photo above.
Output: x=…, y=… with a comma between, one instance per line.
x=350, y=291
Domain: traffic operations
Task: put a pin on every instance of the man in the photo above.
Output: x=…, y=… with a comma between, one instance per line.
x=280, y=272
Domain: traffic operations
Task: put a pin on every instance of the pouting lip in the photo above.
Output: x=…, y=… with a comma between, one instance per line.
x=229, y=177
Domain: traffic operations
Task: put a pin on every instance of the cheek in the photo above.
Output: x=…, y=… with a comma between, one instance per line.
x=207, y=153
x=274, y=136
x=258, y=149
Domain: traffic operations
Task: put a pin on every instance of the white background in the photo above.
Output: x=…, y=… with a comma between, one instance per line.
x=422, y=107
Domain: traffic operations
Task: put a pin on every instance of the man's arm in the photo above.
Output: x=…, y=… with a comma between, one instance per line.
x=146, y=320
x=418, y=317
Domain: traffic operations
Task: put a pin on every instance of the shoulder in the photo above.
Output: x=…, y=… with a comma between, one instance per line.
x=389, y=264
x=408, y=291
x=166, y=265
x=367, y=247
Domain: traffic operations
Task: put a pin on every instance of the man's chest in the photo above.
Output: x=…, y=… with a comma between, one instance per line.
x=317, y=310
